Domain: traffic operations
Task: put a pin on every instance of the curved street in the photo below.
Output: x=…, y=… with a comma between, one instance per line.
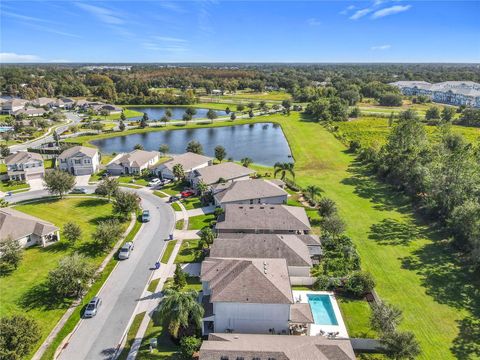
x=99, y=337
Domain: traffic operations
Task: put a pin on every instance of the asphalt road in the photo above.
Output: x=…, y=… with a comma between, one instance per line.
x=74, y=119
x=98, y=337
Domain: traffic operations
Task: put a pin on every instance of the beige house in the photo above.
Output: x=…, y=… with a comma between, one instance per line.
x=280, y=347
x=10, y=106
x=79, y=160
x=24, y=166
x=28, y=230
x=133, y=162
x=251, y=191
x=189, y=161
x=263, y=219
x=224, y=172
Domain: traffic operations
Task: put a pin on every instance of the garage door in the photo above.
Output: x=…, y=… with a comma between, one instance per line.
x=35, y=177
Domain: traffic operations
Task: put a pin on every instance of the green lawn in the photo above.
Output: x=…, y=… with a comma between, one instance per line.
x=179, y=224
x=190, y=252
x=173, y=188
x=191, y=203
x=153, y=285
x=175, y=206
x=3, y=168
x=166, y=349
x=200, y=221
x=7, y=186
x=49, y=163
x=128, y=113
x=168, y=251
x=132, y=332
x=414, y=269
x=21, y=291
x=356, y=315
x=193, y=283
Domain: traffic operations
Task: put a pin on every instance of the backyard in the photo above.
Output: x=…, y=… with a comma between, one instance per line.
x=24, y=293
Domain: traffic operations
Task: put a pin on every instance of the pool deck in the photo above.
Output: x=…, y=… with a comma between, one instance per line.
x=314, y=329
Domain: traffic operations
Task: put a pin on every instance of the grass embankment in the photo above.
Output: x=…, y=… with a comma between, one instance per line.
x=128, y=114
x=374, y=131
x=414, y=269
x=23, y=291
x=168, y=251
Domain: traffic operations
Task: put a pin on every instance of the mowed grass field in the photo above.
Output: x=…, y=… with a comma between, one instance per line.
x=22, y=291
x=374, y=130
x=414, y=269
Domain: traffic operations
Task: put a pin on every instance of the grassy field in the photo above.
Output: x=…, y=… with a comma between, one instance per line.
x=370, y=107
x=190, y=252
x=374, y=131
x=200, y=221
x=22, y=291
x=128, y=114
x=414, y=269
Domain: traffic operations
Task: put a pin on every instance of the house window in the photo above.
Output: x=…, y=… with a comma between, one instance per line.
x=240, y=358
x=63, y=160
x=78, y=162
x=87, y=161
x=224, y=357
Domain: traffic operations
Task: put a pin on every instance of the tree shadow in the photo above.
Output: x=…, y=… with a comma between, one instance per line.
x=99, y=219
x=91, y=202
x=59, y=246
x=394, y=232
x=40, y=297
x=90, y=249
x=467, y=343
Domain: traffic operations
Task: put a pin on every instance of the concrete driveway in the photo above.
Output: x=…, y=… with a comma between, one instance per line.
x=82, y=180
x=99, y=337
x=35, y=184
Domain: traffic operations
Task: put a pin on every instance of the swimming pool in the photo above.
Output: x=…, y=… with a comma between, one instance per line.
x=322, y=309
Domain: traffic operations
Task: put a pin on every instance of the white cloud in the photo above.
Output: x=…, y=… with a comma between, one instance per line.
x=103, y=14
x=6, y=57
x=313, y=22
x=170, y=39
x=166, y=44
x=381, y=47
x=390, y=11
x=360, y=13
x=347, y=9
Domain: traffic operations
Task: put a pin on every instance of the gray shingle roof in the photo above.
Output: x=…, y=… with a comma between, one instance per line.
x=247, y=189
x=22, y=157
x=263, y=217
x=17, y=225
x=227, y=171
x=279, y=347
x=288, y=247
x=259, y=281
x=301, y=313
x=188, y=161
x=78, y=149
x=135, y=158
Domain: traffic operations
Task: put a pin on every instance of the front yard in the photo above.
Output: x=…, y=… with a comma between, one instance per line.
x=200, y=221
x=23, y=291
x=11, y=186
x=190, y=252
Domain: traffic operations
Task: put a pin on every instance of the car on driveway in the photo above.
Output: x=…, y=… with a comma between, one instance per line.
x=154, y=182
x=78, y=191
x=145, y=216
x=166, y=181
x=92, y=307
x=172, y=199
x=187, y=193
x=125, y=251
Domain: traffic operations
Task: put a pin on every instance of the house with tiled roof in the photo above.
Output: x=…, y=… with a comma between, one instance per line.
x=132, y=163
x=221, y=173
x=79, y=160
x=189, y=161
x=24, y=166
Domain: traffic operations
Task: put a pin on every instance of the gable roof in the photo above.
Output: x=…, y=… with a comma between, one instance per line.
x=22, y=157
x=279, y=347
x=17, y=225
x=78, y=149
x=288, y=247
x=301, y=313
x=264, y=281
x=227, y=171
x=267, y=217
x=188, y=161
x=247, y=189
x=135, y=158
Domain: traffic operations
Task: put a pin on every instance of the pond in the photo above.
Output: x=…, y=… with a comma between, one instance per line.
x=264, y=143
x=156, y=113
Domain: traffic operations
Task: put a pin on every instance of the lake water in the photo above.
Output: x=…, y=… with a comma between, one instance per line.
x=264, y=143
x=156, y=113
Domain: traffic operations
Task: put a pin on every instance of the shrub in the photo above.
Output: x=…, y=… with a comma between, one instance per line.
x=400, y=345
x=189, y=345
x=18, y=334
x=12, y=255
x=332, y=225
x=72, y=231
x=325, y=282
x=385, y=318
x=71, y=277
x=354, y=145
x=359, y=283
x=326, y=207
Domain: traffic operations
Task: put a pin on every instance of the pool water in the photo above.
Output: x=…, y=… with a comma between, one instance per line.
x=322, y=309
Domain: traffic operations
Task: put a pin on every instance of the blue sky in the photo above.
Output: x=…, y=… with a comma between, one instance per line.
x=240, y=31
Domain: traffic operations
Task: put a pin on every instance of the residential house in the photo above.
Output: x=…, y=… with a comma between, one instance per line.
x=272, y=246
x=65, y=103
x=28, y=230
x=30, y=112
x=251, y=191
x=79, y=160
x=111, y=109
x=24, y=166
x=449, y=92
x=263, y=219
x=247, y=296
x=189, y=161
x=133, y=162
x=44, y=101
x=10, y=106
x=224, y=172
x=270, y=347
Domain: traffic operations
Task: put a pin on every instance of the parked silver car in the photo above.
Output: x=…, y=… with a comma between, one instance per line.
x=125, y=251
x=92, y=307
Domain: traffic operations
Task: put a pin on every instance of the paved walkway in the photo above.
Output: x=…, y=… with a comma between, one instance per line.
x=152, y=299
x=201, y=211
x=186, y=234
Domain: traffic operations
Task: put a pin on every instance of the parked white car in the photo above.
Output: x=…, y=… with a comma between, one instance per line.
x=125, y=251
x=154, y=182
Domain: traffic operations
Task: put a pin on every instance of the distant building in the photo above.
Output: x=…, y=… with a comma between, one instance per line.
x=133, y=162
x=79, y=160
x=279, y=347
x=10, y=106
x=449, y=92
x=24, y=166
x=28, y=230
x=30, y=112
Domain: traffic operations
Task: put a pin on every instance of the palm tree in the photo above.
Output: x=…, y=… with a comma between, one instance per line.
x=202, y=187
x=164, y=119
x=313, y=191
x=178, y=172
x=163, y=149
x=206, y=237
x=179, y=311
x=168, y=113
x=400, y=345
x=246, y=161
x=283, y=169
